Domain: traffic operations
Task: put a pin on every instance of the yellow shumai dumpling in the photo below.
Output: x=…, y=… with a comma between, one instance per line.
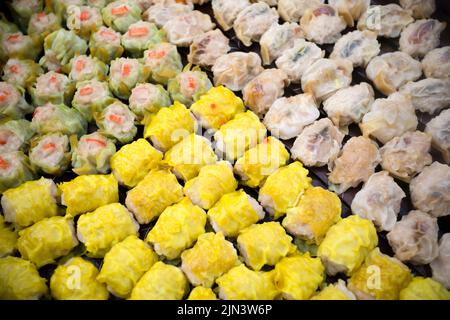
x=216, y=107
x=188, y=156
x=47, y=240
x=202, y=293
x=161, y=282
x=241, y=283
x=424, y=289
x=346, y=245
x=125, y=264
x=177, y=228
x=8, y=238
x=88, y=192
x=265, y=243
x=158, y=190
x=380, y=277
x=337, y=291
x=261, y=161
x=314, y=214
x=283, y=188
x=208, y=259
x=133, y=161
x=76, y=280
x=20, y=280
x=298, y=277
x=101, y=229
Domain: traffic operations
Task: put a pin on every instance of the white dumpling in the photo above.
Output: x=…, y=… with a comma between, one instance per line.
x=436, y=63
x=318, y=144
x=253, y=21
x=351, y=9
x=439, y=129
x=226, y=11
x=293, y=10
x=389, y=118
x=357, y=46
x=277, y=39
x=208, y=47
x=325, y=76
x=287, y=117
x=440, y=266
x=428, y=95
x=421, y=36
x=160, y=13
x=260, y=92
x=295, y=60
x=420, y=8
x=391, y=70
x=415, y=238
x=235, y=69
x=379, y=200
x=387, y=21
x=430, y=190
x=349, y=105
x=406, y=155
x=322, y=24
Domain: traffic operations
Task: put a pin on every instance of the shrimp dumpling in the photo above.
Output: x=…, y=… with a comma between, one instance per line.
x=436, y=63
x=428, y=95
x=357, y=46
x=421, y=36
x=293, y=10
x=226, y=11
x=208, y=47
x=439, y=129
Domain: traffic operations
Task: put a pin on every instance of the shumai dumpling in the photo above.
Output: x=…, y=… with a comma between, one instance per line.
x=436, y=63
x=420, y=8
x=440, y=266
x=208, y=47
x=350, y=9
x=421, y=36
x=391, y=70
x=293, y=10
x=428, y=95
x=357, y=46
x=430, y=190
x=226, y=11
x=389, y=118
x=160, y=13
x=438, y=128
x=415, y=238
x=318, y=144
x=379, y=200
x=322, y=24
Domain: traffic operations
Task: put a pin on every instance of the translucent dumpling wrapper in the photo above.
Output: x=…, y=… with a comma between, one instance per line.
x=436, y=63
x=12, y=102
x=241, y=283
x=428, y=95
x=202, y=293
x=318, y=144
x=20, y=280
x=117, y=121
x=325, y=76
x=226, y=11
x=160, y=13
x=133, y=161
x=337, y=291
x=125, y=264
x=83, y=20
x=21, y=73
x=421, y=36
x=287, y=117
x=22, y=10
x=154, y=193
x=424, y=289
x=164, y=62
x=88, y=192
x=406, y=155
x=139, y=36
x=51, y=153
x=293, y=10
x=52, y=87
x=105, y=44
x=177, y=229
x=262, y=91
x=387, y=21
x=322, y=24
x=87, y=68
x=355, y=164
x=18, y=45
x=119, y=15
x=43, y=23
x=438, y=129
x=234, y=70
x=206, y=48
x=15, y=135
x=161, y=282
x=420, y=8
x=350, y=9
x=415, y=238
x=440, y=266
x=30, y=202
x=91, y=154
x=211, y=257
x=76, y=280
x=316, y=211
x=299, y=276
x=15, y=169
x=147, y=98
x=430, y=190
x=380, y=277
x=47, y=240
x=8, y=238
x=273, y=195
x=59, y=7
x=125, y=74
x=261, y=161
x=91, y=97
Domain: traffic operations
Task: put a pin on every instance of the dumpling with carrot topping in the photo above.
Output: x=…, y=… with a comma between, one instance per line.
x=421, y=36
x=51, y=153
x=15, y=169
x=208, y=47
x=12, y=102
x=119, y=15
x=357, y=46
x=160, y=13
x=148, y=98
x=41, y=24
x=139, y=36
x=420, y=8
x=22, y=73
x=18, y=45
x=436, y=63
x=438, y=128
x=117, y=121
x=15, y=135
x=293, y=10
x=125, y=74
x=83, y=20
x=226, y=11
x=54, y=88
x=105, y=45
x=164, y=62
x=91, y=97
x=87, y=68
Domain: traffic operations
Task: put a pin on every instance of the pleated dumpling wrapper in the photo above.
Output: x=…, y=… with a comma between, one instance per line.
x=47, y=240
x=380, y=277
x=125, y=264
x=161, y=282
x=177, y=229
x=347, y=244
x=155, y=192
x=119, y=15
x=211, y=257
x=298, y=277
x=424, y=289
x=76, y=280
x=261, y=161
x=277, y=199
x=8, y=238
x=317, y=210
x=101, y=229
x=15, y=169
x=105, y=44
x=133, y=161
x=241, y=283
x=337, y=291
x=20, y=280
x=88, y=192
x=202, y=293
x=30, y=202
x=216, y=107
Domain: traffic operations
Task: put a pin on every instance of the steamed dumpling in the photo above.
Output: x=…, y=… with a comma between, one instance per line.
x=357, y=46
x=436, y=63
x=428, y=95
x=420, y=8
x=421, y=36
x=438, y=128
x=441, y=265
x=293, y=10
